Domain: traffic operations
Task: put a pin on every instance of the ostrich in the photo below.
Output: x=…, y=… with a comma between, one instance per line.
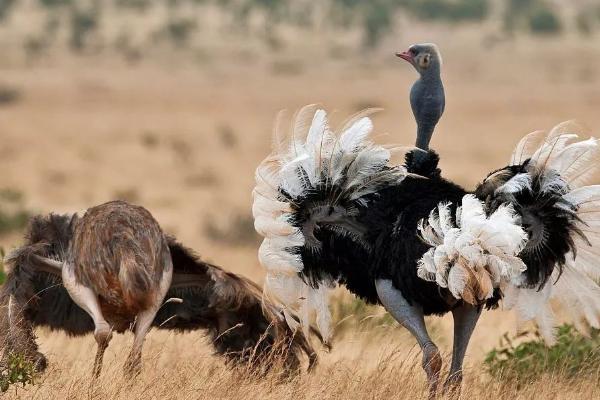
x=241, y=326
x=117, y=268
x=333, y=210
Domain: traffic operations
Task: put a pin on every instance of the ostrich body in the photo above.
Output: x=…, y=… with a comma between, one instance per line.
x=333, y=211
x=118, y=269
x=241, y=327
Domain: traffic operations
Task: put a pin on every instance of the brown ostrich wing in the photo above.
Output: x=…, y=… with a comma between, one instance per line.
x=207, y=294
x=36, y=294
x=230, y=308
x=32, y=294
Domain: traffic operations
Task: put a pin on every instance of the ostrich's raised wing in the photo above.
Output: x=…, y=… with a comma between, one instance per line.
x=312, y=187
x=532, y=231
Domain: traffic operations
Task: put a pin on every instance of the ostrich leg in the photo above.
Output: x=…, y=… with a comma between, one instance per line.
x=411, y=317
x=465, y=318
x=85, y=298
x=143, y=322
x=133, y=365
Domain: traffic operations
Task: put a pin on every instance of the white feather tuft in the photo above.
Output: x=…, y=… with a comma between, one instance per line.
x=355, y=136
x=573, y=296
x=575, y=159
x=460, y=254
x=312, y=156
x=527, y=147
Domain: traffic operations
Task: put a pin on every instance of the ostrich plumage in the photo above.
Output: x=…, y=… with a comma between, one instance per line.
x=229, y=308
x=333, y=211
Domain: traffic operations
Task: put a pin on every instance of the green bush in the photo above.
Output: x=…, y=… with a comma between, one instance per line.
x=83, y=24
x=55, y=3
x=587, y=19
x=544, y=21
x=137, y=5
x=377, y=23
x=535, y=15
x=352, y=313
x=9, y=95
x=583, y=23
x=16, y=370
x=454, y=11
x=13, y=217
x=5, y=7
x=178, y=31
x=517, y=12
x=11, y=195
x=572, y=355
x=10, y=222
x=344, y=13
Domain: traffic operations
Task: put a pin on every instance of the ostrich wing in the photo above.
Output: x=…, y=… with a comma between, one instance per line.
x=230, y=308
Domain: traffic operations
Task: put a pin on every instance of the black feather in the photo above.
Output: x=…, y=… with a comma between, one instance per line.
x=389, y=245
x=549, y=220
x=424, y=163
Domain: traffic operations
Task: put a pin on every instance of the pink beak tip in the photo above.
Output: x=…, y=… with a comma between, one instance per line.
x=405, y=55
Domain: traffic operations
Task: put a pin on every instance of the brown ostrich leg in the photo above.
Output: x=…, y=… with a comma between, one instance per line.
x=85, y=298
x=144, y=319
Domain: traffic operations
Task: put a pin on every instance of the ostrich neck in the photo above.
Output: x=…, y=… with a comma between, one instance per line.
x=432, y=74
x=427, y=102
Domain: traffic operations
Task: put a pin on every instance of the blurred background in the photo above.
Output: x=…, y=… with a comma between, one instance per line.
x=170, y=103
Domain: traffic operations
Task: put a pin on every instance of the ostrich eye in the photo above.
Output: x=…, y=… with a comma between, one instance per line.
x=413, y=51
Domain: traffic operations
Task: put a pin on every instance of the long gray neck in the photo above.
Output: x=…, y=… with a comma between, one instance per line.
x=427, y=101
x=424, y=134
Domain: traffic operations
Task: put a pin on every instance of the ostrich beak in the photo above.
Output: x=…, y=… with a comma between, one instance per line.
x=405, y=55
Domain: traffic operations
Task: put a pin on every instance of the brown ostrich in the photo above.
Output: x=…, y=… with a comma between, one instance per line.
x=118, y=269
x=101, y=252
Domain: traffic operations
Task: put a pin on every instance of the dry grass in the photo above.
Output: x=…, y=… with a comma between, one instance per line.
x=179, y=367
x=371, y=359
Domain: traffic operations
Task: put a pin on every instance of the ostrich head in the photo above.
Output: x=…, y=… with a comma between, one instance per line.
x=426, y=58
x=427, y=98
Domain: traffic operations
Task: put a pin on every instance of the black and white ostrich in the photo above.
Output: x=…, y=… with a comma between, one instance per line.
x=333, y=211
x=94, y=274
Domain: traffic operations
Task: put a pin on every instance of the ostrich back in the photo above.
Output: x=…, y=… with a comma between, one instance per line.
x=119, y=251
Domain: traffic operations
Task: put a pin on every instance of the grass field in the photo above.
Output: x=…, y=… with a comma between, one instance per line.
x=367, y=365
x=182, y=137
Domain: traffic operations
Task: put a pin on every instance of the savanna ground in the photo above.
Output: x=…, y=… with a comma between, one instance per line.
x=182, y=135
